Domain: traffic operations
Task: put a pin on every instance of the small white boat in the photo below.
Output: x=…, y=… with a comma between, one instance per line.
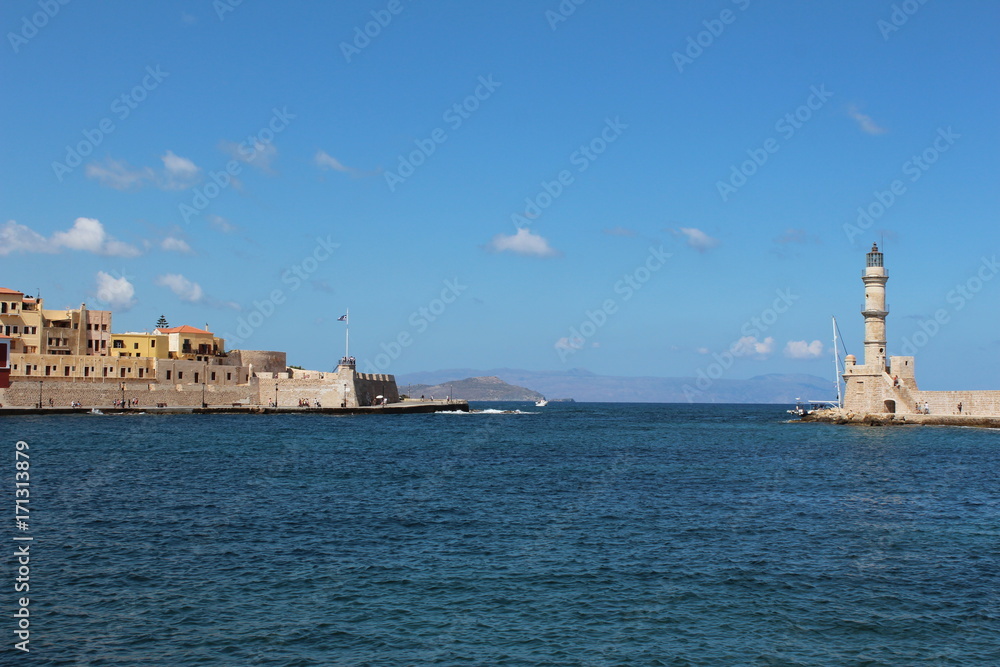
x=542, y=403
x=803, y=408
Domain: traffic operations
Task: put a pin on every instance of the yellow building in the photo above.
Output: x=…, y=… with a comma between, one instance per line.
x=33, y=330
x=132, y=344
x=20, y=320
x=187, y=342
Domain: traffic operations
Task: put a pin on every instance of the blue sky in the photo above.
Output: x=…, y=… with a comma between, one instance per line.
x=621, y=187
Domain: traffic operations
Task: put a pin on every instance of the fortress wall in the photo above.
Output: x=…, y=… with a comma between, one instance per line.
x=103, y=394
x=181, y=371
x=980, y=403
x=866, y=393
x=328, y=390
x=370, y=385
x=265, y=361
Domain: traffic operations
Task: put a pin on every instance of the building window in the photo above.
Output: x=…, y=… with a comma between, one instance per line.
x=180, y=375
x=118, y=344
x=213, y=376
x=48, y=370
x=104, y=344
x=105, y=371
x=140, y=372
x=66, y=371
x=122, y=372
x=168, y=375
x=229, y=376
x=135, y=346
x=152, y=343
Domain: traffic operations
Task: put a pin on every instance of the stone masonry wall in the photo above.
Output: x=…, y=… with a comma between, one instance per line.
x=370, y=385
x=103, y=394
x=328, y=388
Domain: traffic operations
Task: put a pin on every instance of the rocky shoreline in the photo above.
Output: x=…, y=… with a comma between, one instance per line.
x=841, y=416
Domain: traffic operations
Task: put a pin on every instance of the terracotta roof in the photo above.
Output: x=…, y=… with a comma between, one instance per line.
x=4, y=290
x=183, y=329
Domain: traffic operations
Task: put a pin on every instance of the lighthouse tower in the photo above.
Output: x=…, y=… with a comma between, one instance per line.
x=875, y=278
x=868, y=387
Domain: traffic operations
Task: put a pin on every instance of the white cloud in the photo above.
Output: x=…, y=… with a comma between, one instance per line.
x=178, y=173
x=864, y=121
x=115, y=248
x=18, y=238
x=175, y=245
x=221, y=223
x=118, y=293
x=697, y=239
x=325, y=161
x=703, y=350
x=749, y=346
x=185, y=289
x=118, y=174
x=522, y=243
x=86, y=234
x=258, y=153
x=800, y=349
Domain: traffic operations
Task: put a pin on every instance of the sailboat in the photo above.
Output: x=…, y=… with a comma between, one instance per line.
x=808, y=407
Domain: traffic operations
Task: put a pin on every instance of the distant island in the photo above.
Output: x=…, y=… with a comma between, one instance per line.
x=507, y=384
x=484, y=388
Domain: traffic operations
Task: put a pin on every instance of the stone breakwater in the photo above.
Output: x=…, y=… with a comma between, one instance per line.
x=840, y=416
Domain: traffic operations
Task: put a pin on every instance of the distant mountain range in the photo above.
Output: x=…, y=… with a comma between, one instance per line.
x=582, y=385
x=489, y=388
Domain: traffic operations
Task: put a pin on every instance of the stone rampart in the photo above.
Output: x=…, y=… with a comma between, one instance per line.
x=98, y=394
x=264, y=361
x=370, y=385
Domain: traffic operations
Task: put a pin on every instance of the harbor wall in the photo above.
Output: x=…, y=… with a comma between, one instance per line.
x=341, y=388
x=26, y=393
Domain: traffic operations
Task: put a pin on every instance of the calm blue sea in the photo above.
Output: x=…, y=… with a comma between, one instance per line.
x=576, y=534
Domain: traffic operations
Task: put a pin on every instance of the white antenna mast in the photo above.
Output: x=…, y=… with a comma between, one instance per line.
x=836, y=363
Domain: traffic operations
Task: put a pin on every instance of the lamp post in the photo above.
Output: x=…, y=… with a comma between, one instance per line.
x=123, y=395
x=275, y=394
x=204, y=379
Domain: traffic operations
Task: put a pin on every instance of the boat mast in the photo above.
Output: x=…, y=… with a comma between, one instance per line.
x=836, y=363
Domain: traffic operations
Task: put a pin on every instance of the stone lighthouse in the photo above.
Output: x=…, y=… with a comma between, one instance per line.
x=875, y=278
x=869, y=387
